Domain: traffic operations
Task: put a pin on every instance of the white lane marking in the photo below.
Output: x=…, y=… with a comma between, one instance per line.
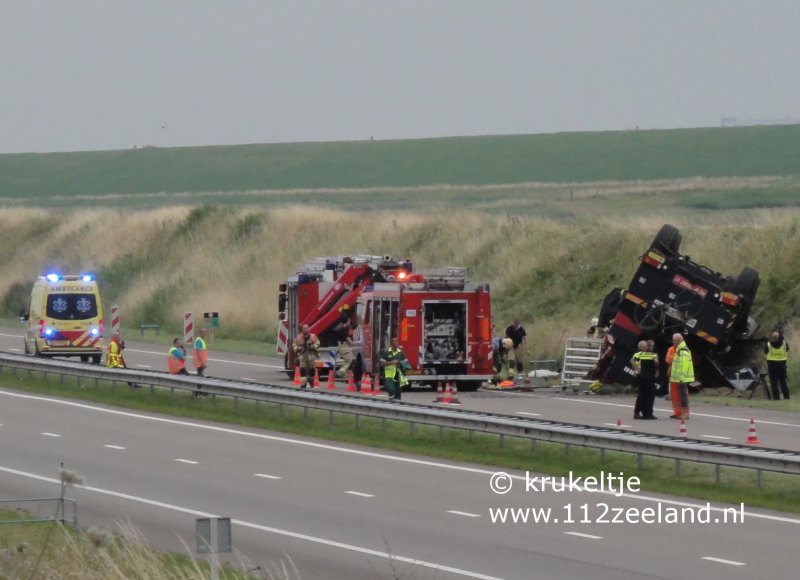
x=144, y=366
x=530, y=414
x=265, y=476
x=721, y=561
x=372, y=454
x=262, y=528
x=359, y=494
x=51, y=434
x=465, y=514
x=114, y=447
x=246, y=379
x=580, y=535
x=615, y=425
x=219, y=360
x=715, y=437
x=15, y=349
x=189, y=461
x=694, y=413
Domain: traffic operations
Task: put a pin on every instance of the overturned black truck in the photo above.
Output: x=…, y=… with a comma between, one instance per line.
x=668, y=294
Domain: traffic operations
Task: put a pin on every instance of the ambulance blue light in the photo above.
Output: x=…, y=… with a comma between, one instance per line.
x=87, y=278
x=53, y=277
x=95, y=332
x=48, y=331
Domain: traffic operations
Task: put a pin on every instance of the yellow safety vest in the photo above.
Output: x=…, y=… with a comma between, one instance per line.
x=776, y=354
x=682, y=366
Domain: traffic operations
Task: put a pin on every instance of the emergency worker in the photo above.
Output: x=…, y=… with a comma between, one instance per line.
x=645, y=363
x=392, y=360
x=776, y=350
x=200, y=353
x=306, y=349
x=682, y=372
x=516, y=332
x=503, y=352
x=344, y=358
x=114, y=358
x=674, y=388
x=176, y=359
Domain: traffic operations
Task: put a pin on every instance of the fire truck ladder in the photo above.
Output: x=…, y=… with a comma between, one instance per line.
x=580, y=356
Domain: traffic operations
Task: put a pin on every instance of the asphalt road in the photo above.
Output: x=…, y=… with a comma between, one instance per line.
x=339, y=512
x=713, y=422
x=332, y=511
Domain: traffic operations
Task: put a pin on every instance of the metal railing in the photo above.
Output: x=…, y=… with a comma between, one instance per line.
x=569, y=434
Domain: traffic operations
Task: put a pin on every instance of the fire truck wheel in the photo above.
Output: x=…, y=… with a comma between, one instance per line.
x=84, y=358
x=96, y=359
x=668, y=239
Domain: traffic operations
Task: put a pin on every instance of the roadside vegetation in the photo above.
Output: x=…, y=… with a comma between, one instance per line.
x=36, y=549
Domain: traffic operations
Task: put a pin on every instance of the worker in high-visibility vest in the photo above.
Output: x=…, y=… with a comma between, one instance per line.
x=682, y=371
x=176, y=358
x=114, y=358
x=777, y=350
x=391, y=361
x=306, y=349
x=645, y=363
x=674, y=388
x=200, y=352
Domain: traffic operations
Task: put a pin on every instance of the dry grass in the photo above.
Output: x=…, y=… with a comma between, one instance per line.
x=232, y=260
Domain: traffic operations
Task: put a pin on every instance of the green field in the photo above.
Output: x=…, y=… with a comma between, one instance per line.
x=375, y=174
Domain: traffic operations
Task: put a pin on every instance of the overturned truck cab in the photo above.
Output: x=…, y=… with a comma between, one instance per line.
x=668, y=294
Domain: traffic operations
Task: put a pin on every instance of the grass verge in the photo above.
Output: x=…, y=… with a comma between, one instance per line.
x=52, y=550
x=778, y=491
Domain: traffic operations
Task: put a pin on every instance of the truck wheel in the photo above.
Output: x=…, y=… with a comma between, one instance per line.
x=467, y=386
x=746, y=285
x=668, y=239
x=84, y=358
x=96, y=359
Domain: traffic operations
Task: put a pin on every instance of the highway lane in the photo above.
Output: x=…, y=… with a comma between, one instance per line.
x=346, y=512
x=712, y=422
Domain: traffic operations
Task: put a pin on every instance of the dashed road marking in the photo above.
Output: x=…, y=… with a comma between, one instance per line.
x=715, y=437
x=359, y=494
x=721, y=561
x=189, y=461
x=615, y=425
x=246, y=379
x=529, y=414
x=114, y=447
x=265, y=476
x=580, y=535
x=51, y=434
x=143, y=366
x=465, y=514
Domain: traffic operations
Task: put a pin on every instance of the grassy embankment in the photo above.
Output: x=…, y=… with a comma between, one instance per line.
x=51, y=550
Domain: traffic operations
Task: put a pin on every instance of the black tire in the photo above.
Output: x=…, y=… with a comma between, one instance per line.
x=667, y=239
x=85, y=358
x=96, y=359
x=746, y=285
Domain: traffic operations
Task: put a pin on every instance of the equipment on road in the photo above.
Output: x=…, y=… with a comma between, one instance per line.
x=442, y=321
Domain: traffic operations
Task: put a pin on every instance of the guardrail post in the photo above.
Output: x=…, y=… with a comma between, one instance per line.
x=760, y=473
x=411, y=427
x=330, y=419
x=502, y=440
x=305, y=412
x=568, y=449
x=534, y=445
x=358, y=421
x=602, y=454
x=441, y=433
x=677, y=468
x=236, y=403
x=717, y=470
x=280, y=410
x=383, y=425
x=78, y=380
x=60, y=378
x=639, y=460
x=471, y=435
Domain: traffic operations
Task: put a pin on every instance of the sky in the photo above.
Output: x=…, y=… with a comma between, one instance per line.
x=117, y=74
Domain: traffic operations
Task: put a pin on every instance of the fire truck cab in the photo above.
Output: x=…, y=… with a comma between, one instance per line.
x=441, y=320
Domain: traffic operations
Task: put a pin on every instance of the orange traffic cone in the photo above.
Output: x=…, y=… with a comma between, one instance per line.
x=454, y=395
x=752, y=437
x=619, y=423
x=376, y=388
x=351, y=383
x=296, y=382
x=683, y=432
x=331, y=380
x=317, y=384
x=366, y=385
x=439, y=393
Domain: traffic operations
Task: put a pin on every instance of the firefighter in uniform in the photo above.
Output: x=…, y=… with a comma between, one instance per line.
x=306, y=348
x=645, y=363
x=200, y=352
x=505, y=348
x=776, y=350
x=682, y=372
x=392, y=361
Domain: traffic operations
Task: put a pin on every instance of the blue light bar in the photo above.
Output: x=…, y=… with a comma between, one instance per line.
x=87, y=278
x=53, y=277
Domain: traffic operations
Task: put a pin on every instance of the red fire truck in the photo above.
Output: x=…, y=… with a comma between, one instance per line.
x=441, y=319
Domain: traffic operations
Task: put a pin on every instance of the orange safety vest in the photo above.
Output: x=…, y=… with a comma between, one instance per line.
x=175, y=363
x=200, y=353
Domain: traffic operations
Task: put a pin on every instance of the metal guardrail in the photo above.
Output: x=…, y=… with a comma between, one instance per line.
x=641, y=444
